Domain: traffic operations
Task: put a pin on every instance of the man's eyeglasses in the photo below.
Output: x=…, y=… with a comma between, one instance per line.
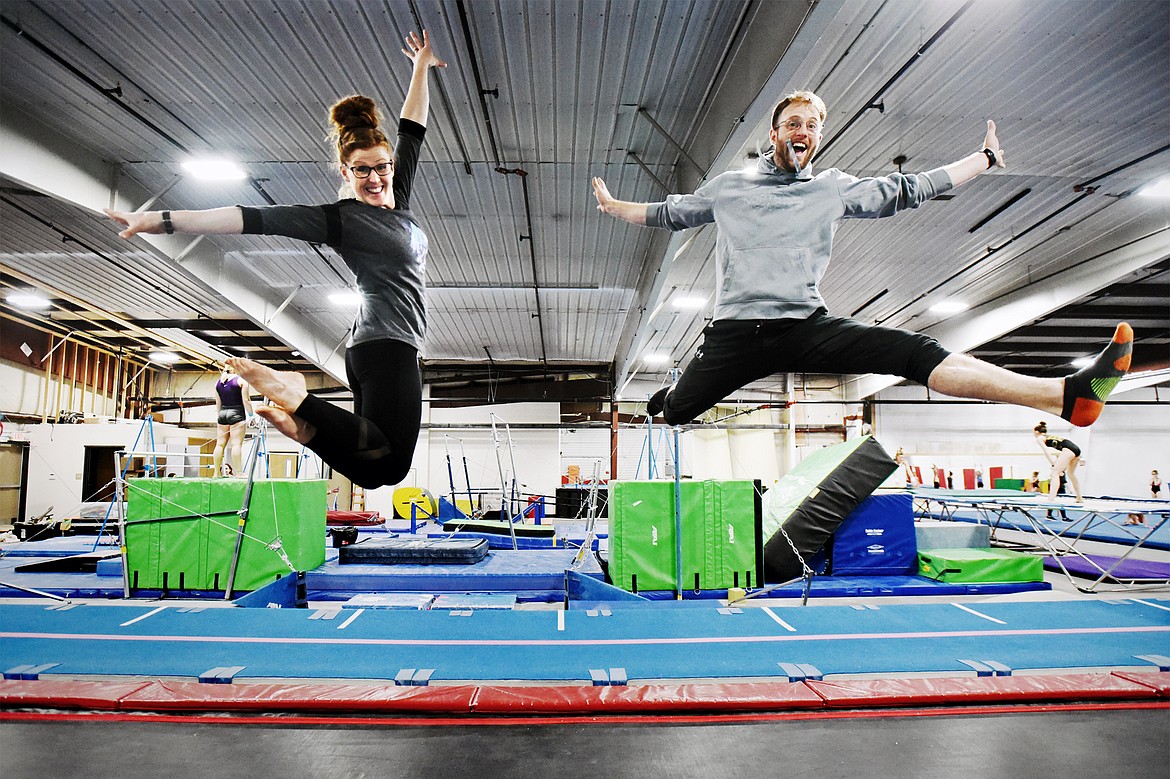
x=793, y=125
x=364, y=171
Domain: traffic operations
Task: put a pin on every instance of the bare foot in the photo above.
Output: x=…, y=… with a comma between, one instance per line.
x=292, y=426
x=287, y=389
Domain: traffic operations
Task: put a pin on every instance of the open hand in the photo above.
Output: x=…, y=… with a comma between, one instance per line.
x=136, y=222
x=420, y=52
x=601, y=192
x=991, y=141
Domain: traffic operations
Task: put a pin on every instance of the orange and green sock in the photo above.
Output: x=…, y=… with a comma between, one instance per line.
x=1086, y=391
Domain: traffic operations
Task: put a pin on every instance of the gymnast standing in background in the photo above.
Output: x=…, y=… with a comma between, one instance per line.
x=375, y=233
x=1065, y=461
x=233, y=407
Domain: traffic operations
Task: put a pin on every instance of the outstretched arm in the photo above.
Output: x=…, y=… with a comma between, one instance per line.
x=213, y=221
x=634, y=213
x=418, y=96
x=962, y=171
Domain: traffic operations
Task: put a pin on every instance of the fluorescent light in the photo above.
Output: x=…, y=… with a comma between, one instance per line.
x=215, y=169
x=164, y=358
x=1082, y=362
x=689, y=302
x=655, y=359
x=1157, y=188
x=29, y=300
x=347, y=298
x=949, y=307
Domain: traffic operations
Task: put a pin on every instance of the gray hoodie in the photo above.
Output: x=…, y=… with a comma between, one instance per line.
x=775, y=229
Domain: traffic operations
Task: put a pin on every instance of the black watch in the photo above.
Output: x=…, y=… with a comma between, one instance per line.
x=992, y=160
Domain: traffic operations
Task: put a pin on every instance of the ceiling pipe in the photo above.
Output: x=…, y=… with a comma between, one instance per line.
x=445, y=99
x=523, y=174
x=876, y=101
x=115, y=96
x=465, y=22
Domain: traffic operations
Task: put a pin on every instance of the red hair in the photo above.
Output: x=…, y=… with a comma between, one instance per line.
x=356, y=126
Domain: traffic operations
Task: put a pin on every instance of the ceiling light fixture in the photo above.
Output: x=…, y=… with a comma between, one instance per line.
x=212, y=169
x=164, y=358
x=1082, y=362
x=28, y=300
x=689, y=302
x=347, y=298
x=655, y=359
x=1157, y=188
x=949, y=307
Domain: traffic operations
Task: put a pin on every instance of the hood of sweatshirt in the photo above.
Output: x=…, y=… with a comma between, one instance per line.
x=767, y=164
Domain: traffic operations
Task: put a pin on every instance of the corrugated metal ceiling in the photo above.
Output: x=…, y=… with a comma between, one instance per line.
x=1079, y=91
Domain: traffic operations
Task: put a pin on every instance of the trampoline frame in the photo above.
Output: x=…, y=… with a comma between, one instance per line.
x=994, y=512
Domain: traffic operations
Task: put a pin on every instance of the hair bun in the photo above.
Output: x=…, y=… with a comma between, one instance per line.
x=354, y=112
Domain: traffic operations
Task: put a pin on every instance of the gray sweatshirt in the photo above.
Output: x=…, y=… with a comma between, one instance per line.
x=775, y=229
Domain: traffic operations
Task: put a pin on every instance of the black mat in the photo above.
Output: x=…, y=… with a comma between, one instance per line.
x=414, y=551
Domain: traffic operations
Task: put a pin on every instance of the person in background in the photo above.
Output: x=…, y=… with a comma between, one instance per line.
x=1155, y=484
x=904, y=463
x=1066, y=460
x=1033, y=482
x=1060, y=490
x=233, y=408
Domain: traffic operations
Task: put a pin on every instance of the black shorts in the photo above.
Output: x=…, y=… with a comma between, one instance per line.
x=231, y=415
x=736, y=352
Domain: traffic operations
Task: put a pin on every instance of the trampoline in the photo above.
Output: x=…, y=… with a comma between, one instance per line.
x=1058, y=539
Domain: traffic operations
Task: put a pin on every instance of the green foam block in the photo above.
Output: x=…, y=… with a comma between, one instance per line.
x=181, y=533
x=979, y=565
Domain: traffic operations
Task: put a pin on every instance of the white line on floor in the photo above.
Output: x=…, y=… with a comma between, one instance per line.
x=144, y=616
x=783, y=624
x=977, y=614
x=345, y=624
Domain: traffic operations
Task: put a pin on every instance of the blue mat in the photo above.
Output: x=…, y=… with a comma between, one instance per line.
x=530, y=571
x=661, y=643
x=62, y=546
x=868, y=586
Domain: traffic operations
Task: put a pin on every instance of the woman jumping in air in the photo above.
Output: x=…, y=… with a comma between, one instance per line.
x=375, y=232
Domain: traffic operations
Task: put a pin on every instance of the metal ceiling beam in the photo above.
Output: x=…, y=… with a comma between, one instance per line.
x=999, y=317
x=39, y=157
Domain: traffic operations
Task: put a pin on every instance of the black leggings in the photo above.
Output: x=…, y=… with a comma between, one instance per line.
x=736, y=352
x=374, y=445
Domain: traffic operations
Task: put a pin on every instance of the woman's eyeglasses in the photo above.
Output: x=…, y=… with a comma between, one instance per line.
x=364, y=171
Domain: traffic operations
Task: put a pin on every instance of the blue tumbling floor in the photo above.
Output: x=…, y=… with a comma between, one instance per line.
x=611, y=642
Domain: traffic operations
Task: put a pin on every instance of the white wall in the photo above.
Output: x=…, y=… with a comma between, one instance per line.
x=20, y=389
x=23, y=392
x=57, y=457
x=529, y=456
x=1119, y=450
